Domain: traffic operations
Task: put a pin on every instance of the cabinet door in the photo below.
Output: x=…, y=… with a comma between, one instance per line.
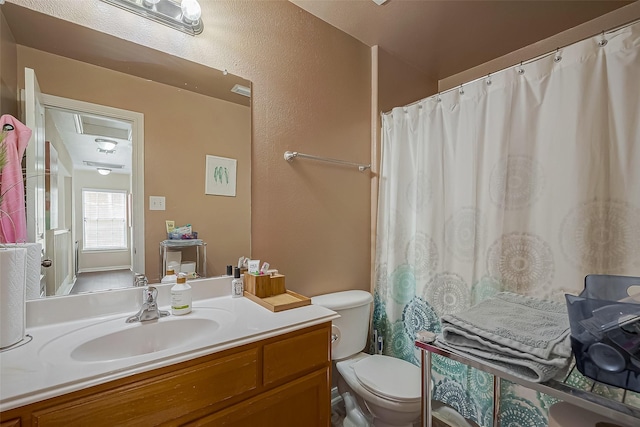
x=295, y=356
x=303, y=402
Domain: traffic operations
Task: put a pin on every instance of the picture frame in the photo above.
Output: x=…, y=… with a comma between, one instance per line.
x=220, y=177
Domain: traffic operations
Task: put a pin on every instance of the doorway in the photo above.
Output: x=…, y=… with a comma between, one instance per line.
x=99, y=219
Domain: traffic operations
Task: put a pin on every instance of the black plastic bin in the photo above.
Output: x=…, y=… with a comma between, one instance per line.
x=605, y=330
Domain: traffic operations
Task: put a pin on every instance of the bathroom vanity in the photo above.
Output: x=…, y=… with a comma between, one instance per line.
x=257, y=368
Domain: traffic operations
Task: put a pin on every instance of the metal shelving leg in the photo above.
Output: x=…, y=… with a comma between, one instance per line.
x=496, y=400
x=426, y=388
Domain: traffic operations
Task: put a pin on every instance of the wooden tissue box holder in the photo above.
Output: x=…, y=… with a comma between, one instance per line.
x=264, y=285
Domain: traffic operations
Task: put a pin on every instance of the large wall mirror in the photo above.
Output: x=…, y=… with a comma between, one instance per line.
x=131, y=140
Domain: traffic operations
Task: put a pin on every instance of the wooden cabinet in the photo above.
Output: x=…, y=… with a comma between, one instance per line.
x=301, y=402
x=283, y=380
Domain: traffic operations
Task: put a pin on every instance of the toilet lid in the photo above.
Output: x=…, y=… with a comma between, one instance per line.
x=389, y=377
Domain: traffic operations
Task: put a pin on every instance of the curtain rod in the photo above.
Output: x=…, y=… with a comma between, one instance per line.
x=521, y=63
x=290, y=155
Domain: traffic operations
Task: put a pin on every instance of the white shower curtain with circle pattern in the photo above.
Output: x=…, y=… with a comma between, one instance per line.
x=524, y=181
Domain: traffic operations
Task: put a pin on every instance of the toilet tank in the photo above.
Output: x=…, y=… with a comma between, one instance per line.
x=352, y=328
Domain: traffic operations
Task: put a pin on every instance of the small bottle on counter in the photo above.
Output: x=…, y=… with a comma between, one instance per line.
x=181, y=296
x=229, y=270
x=170, y=277
x=237, y=284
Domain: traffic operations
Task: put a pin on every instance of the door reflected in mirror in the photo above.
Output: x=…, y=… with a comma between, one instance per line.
x=187, y=111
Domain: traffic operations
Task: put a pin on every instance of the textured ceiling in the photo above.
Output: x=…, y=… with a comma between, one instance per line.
x=442, y=38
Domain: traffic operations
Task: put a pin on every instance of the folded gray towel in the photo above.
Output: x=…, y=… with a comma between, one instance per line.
x=525, y=336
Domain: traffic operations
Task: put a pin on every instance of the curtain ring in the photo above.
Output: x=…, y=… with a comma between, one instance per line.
x=461, y=90
x=557, y=58
x=488, y=81
x=603, y=42
x=520, y=69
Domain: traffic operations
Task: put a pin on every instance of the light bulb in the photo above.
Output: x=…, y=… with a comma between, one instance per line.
x=191, y=11
x=104, y=171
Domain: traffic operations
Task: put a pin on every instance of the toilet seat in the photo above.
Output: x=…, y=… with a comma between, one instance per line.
x=389, y=378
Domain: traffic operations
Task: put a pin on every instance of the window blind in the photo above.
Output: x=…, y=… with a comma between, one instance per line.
x=105, y=219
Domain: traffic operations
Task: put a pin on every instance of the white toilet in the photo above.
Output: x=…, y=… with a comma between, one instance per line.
x=387, y=387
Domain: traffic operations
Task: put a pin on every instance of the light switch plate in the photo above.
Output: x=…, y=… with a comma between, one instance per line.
x=156, y=203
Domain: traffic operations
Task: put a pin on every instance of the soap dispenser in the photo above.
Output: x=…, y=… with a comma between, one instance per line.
x=170, y=277
x=181, y=296
x=237, y=284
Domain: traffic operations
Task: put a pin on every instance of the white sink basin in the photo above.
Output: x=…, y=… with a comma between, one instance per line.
x=144, y=338
x=116, y=339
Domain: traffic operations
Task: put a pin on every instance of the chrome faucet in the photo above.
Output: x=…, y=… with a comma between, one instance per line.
x=140, y=280
x=149, y=309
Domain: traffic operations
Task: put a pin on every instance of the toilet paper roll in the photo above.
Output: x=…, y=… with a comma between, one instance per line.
x=13, y=263
x=34, y=255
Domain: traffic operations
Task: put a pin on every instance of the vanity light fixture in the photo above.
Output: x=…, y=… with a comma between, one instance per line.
x=104, y=171
x=182, y=15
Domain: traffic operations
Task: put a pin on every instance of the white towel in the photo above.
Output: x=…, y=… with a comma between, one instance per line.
x=525, y=336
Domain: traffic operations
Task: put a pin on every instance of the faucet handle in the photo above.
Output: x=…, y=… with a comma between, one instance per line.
x=151, y=294
x=140, y=280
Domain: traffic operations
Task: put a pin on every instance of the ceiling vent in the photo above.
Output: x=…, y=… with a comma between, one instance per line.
x=241, y=90
x=102, y=126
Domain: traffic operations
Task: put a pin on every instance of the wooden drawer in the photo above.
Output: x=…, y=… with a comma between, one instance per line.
x=157, y=400
x=11, y=423
x=296, y=355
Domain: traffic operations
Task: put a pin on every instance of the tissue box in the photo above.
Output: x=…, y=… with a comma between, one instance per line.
x=264, y=285
x=605, y=330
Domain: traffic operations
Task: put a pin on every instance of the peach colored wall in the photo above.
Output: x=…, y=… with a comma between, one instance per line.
x=8, y=76
x=181, y=127
x=605, y=22
x=400, y=83
x=311, y=93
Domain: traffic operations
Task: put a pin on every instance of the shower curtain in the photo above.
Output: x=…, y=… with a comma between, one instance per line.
x=523, y=181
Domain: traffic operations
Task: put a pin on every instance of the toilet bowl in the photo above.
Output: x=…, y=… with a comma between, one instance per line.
x=386, y=388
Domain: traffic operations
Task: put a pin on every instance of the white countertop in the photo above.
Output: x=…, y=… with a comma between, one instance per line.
x=27, y=377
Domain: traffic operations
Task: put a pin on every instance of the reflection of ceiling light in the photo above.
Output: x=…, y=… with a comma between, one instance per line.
x=103, y=165
x=104, y=171
x=183, y=16
x=106, y=145
x=241, y=90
